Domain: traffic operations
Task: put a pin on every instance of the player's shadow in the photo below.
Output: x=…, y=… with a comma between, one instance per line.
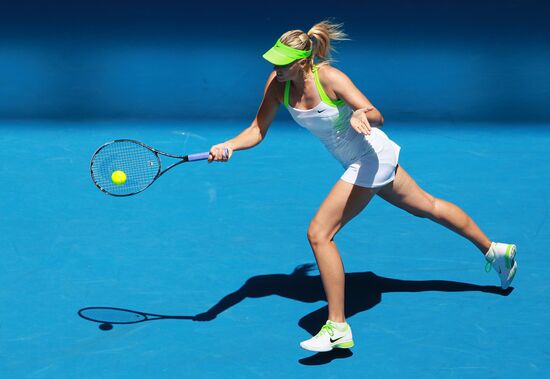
x=363, y=291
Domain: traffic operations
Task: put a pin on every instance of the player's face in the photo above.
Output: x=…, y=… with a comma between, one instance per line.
x=289, y=71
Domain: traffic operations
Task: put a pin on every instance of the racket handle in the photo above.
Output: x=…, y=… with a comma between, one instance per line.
x=203, y=156
x=198, y=157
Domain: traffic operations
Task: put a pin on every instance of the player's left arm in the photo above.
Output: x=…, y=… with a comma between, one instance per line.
x=339, y=85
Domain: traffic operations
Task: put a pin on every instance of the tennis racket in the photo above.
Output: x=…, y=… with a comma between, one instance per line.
x=138, y=164
x=109, y=315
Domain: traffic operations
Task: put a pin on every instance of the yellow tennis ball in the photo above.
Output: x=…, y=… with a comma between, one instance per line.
x=118, y=177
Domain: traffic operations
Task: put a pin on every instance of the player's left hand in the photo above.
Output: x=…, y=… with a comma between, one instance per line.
x=359, y=121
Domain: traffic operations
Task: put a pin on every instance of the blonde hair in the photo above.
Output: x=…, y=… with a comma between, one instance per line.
x=318, y=38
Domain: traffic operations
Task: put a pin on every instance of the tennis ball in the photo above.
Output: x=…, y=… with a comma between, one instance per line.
x=118, y=177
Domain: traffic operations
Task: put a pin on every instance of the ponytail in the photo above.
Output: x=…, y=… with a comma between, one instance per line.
x=319, y=39
x=322, y=34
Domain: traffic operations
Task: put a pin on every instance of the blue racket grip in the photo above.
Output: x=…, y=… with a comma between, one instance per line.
x=202, y=156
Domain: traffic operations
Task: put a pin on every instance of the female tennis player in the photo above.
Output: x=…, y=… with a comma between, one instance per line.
x=325, y=101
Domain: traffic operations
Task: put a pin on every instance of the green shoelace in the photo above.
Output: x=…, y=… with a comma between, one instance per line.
x=327, y=328
x=489, y=263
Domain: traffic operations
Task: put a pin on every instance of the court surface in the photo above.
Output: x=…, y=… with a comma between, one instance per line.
x=420, y=302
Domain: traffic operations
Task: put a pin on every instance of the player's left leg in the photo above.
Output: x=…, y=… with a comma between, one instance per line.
x=404, y=193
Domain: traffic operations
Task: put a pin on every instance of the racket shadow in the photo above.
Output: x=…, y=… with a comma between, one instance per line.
x=107, y=316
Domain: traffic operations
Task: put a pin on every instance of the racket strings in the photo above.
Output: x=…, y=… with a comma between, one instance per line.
x=140, y=165
x=112, y=315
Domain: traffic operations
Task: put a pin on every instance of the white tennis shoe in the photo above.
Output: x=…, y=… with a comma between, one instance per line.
x=330, y=336
x=501, y=256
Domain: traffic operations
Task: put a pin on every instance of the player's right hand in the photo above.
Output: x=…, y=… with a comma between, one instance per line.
x=220, y=153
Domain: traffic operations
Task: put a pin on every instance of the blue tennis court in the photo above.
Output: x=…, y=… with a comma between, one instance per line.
x=228, y=242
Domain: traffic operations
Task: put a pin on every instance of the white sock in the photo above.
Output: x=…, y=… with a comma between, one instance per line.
x=340, y=326
x=491, y=247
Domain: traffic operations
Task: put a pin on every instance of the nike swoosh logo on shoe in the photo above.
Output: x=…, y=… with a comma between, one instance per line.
x=336, y=339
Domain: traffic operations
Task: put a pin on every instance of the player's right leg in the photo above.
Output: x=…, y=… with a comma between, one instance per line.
x=343, y=202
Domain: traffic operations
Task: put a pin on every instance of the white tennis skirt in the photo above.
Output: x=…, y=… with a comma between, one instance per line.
x=377, y=168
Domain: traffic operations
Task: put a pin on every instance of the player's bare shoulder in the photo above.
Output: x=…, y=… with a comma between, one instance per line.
x=330, y=75
x=333, y=80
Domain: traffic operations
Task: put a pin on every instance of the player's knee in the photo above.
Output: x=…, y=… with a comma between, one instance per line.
x=316, y=234
x=427, y=210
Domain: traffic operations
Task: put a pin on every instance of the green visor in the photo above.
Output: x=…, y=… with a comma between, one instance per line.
x=281, y=54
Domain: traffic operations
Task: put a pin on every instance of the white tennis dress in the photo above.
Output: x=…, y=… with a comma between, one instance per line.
x=370, y=160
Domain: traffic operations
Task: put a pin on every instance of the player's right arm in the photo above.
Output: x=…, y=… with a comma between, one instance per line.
x=256, y=132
